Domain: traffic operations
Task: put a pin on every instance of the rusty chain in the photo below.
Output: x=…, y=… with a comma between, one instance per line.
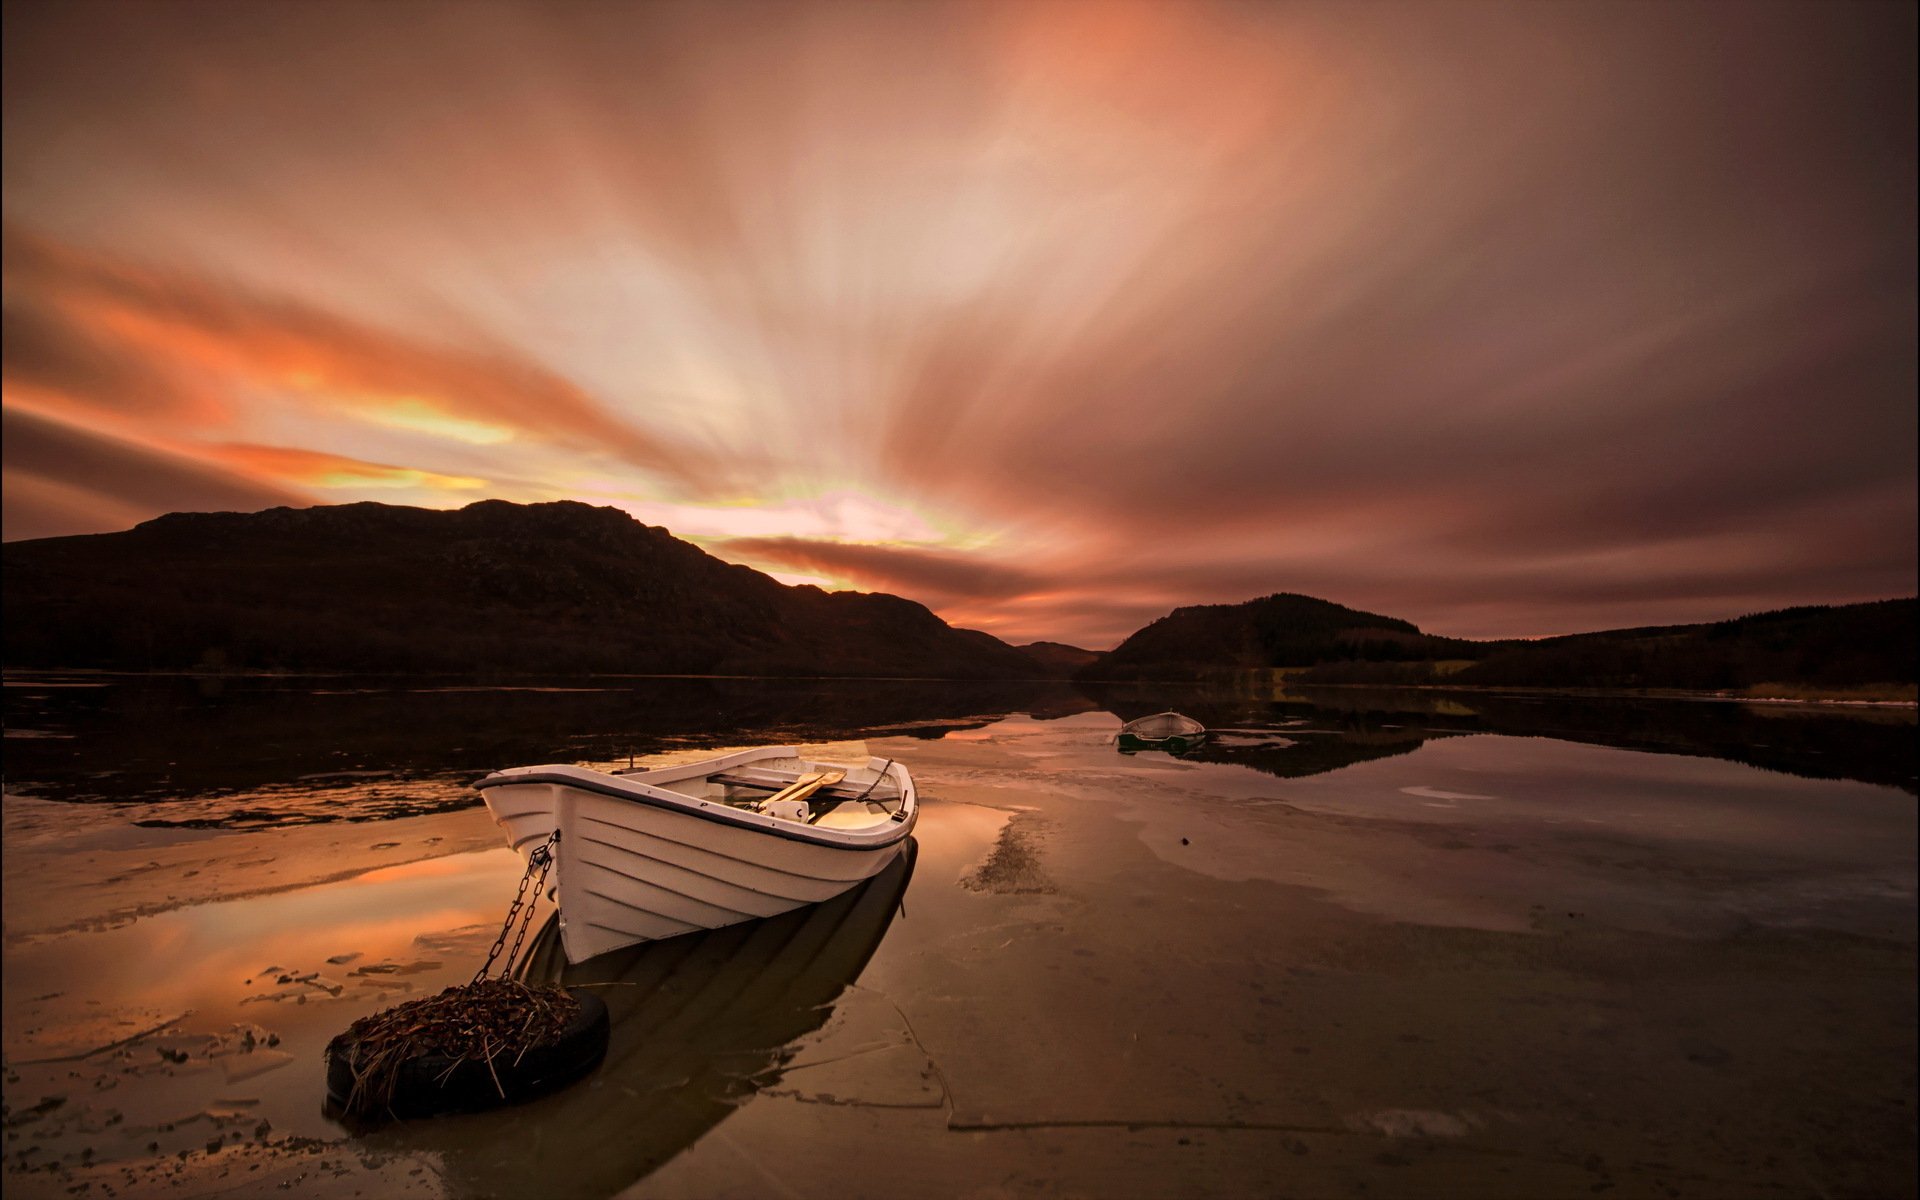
x=521, y=910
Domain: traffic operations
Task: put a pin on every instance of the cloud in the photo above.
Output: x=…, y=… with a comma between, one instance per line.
x=835, y=517
x=907, y=570
x=61, y=479
x=313, y=469
x=62, y=362
x=1506, y=320
x=106, y=332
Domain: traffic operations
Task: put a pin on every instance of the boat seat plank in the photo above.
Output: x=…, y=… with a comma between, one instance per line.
x=835, y=792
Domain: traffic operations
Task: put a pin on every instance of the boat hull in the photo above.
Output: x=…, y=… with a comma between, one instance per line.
x=699, y=1024
x=1168, y=731
x=630, y=870
x=1177, y=744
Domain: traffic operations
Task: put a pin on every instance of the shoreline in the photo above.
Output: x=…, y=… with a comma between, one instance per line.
x=1282, y=683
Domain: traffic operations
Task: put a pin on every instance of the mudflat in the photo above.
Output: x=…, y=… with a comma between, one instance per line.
x=1486, y=966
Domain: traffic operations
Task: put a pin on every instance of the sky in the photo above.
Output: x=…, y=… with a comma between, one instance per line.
x=1509, y=319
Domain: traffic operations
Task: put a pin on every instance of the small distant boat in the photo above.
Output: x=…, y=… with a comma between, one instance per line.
x=651, y=854
x=1167, y=731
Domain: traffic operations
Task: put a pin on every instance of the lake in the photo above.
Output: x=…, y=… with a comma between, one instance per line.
x=1364, y=943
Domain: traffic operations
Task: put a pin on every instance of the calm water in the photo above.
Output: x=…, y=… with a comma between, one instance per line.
x=1364, y=943
x=250, y=752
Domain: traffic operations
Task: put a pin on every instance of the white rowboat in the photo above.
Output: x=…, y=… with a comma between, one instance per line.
x=656, y=853
x=1162, y=731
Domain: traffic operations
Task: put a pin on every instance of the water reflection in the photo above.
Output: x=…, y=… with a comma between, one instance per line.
x=1313, y=731
x=700, y=1023
x=252, y=752
x=258, y=750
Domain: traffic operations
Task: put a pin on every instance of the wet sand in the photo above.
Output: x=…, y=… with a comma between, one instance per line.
x=1491, y=967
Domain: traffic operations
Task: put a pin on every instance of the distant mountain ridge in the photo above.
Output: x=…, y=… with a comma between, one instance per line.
x=565, y=588
x=1822, y=646
x=1827, y=647
x=1281, y=630
x=1058, y=659
x=558, y=587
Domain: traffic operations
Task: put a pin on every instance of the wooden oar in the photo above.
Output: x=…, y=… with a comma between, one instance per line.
x=805, y=786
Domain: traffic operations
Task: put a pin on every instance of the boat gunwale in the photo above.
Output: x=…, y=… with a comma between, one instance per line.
x=1128, y=729
x=892, y=831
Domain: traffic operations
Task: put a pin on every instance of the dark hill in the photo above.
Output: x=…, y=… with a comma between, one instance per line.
x=1860, y=646
x=1837, y=646
x=1282, y=630
x=1059, y=660
x=560, y=587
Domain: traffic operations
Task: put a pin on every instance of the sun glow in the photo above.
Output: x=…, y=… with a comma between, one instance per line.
x=407, y=412
x=820, y=581
x=336, y=472
x=838, y=516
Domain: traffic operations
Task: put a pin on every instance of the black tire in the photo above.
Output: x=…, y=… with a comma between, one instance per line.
x=432, y=1084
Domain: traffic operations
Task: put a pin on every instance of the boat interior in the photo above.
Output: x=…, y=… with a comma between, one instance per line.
x=829, y=795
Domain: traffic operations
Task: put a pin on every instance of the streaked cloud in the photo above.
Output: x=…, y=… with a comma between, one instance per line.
x=179, y=328
x=334, y=471
x=840, y=516
x=1509, y=319
x=61, y=479
x=940, y=576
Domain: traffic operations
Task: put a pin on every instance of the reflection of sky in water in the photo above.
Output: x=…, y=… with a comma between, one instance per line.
x=207, y=964
x=198, y=957
x=1237, y=739
x=256, y=752
x=1502, y=780
x=1491, y=832
x=1148, y=894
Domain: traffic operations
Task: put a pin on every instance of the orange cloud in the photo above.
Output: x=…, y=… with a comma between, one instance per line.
x=908, y=570
x=69, y=368
x=160, y=328
x=63, y=479
x=314, y=469
x=1517, y=318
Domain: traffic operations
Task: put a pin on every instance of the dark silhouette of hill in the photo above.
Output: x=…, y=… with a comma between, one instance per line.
x=1059, y=660
x=1283, y=630
x=494, y=587
x=1823, y=650
x=1835, y=646
x=1819, y=647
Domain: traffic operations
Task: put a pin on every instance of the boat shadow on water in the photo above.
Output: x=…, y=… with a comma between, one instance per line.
x=700, y=1023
